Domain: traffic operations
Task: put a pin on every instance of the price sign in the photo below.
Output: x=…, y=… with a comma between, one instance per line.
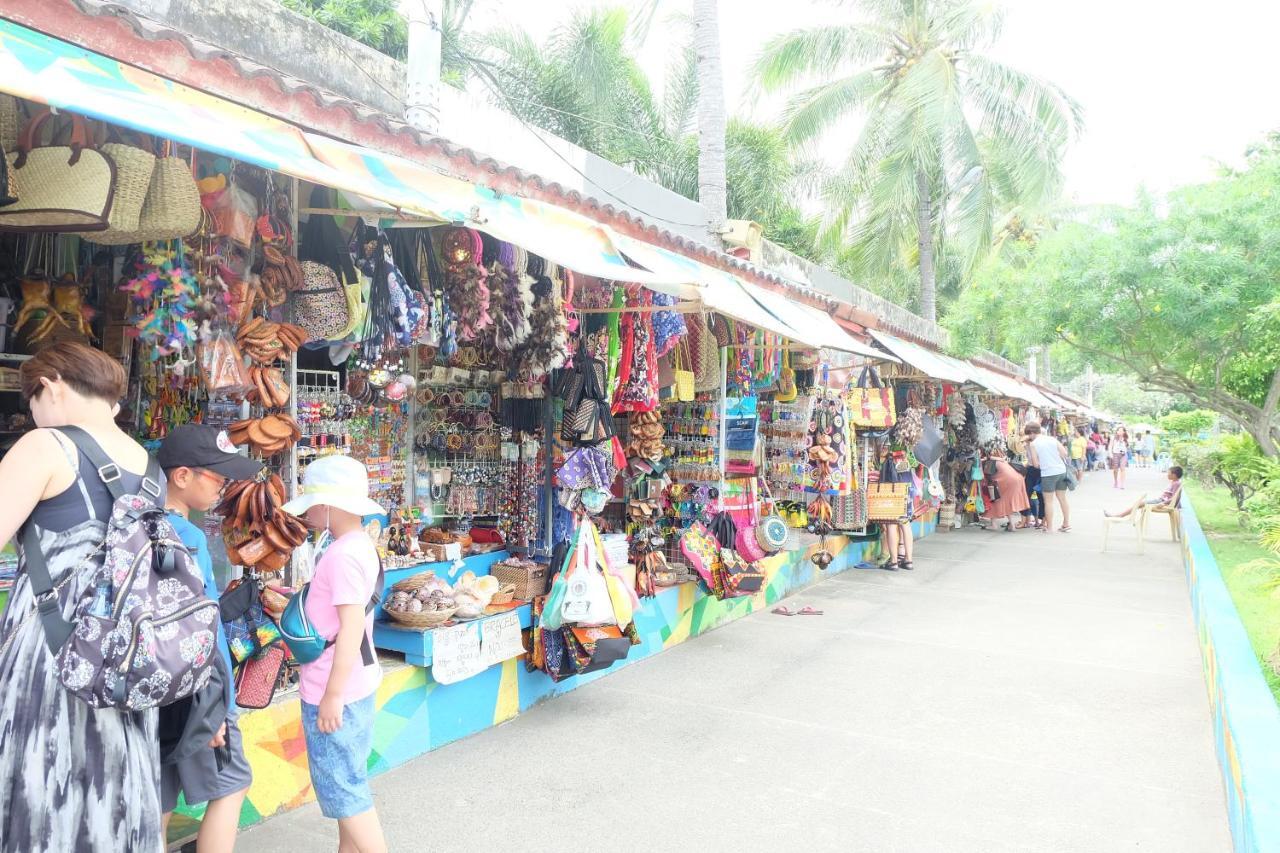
x=455, y=653
x=500, y=638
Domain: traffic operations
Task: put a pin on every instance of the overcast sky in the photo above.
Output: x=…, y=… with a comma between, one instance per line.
x=1169, y=87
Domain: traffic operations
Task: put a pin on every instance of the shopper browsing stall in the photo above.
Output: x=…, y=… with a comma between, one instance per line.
x=1047, y=453
x=71, y=777
x=198, y=462
x=338, y=687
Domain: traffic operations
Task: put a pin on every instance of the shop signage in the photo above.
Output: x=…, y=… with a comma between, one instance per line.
x=455, y=653
x=500, y=638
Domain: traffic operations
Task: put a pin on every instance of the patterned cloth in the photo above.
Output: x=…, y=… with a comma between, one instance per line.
x=668, y=326
x=71, y=778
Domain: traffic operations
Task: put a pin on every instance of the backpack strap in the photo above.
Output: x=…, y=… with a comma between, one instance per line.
x=109, y=472
x=58, y=630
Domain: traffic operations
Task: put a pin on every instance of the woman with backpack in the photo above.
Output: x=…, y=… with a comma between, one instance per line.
x=71, y=777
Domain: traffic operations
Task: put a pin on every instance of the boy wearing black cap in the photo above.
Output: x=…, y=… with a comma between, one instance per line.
x=199, y=461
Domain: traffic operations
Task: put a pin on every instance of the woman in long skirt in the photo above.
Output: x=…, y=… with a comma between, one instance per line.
x=71, y=778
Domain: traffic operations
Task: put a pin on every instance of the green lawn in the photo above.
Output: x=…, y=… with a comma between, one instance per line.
x=1234, y=547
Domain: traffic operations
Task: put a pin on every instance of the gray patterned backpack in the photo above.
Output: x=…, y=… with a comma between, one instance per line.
x=143, y=633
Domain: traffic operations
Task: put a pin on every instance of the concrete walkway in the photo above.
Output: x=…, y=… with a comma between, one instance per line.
x=1017, y=692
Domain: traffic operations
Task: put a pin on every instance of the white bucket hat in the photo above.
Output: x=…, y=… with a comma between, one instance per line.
x=337, y=481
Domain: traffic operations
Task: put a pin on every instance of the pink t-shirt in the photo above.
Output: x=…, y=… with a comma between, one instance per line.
x=345, y=574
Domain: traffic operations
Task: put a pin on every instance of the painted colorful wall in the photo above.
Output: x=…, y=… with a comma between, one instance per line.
x=417, y=715
x=1246, y=721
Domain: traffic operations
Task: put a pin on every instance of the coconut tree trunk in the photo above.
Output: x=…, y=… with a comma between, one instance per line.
x=924, y=224
x=712, y=192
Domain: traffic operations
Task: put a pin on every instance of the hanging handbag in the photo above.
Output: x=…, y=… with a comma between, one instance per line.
x=704, y=354
x=257, y=678
x=888, y=501
x=171, y=209
x=786, y=380
x=68, y=188
x=735, y=576
x=849, y=510
x=701, y=549
x=770, y=531
x=8, y=190
x=870, y=403
x=685, y=379
x=134, y=165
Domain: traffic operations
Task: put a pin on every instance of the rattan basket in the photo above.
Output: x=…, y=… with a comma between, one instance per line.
x=424, y=619
x=505, y=594
x=413, y=583
x=529, y=580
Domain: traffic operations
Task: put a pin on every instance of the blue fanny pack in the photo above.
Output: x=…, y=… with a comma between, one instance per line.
x=305, y=643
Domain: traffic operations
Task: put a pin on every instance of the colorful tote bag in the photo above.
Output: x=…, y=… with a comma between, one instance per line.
x=702, y=550
x=870, y=403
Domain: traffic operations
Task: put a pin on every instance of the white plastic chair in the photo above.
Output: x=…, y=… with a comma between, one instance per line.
x=1163, y=461
x=1174, y=511
x=1136, y=516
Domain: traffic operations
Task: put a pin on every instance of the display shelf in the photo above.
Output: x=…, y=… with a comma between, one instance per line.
x=477, y=563
x=416, y=643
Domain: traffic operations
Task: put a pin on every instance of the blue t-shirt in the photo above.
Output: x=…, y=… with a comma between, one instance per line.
x=198, y=544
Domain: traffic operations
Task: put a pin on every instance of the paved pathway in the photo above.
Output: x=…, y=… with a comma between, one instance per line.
x=1017, y=692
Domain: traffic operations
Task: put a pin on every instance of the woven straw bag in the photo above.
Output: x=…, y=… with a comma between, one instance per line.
x=59, y=187
x=705, y=355
x=172, y=209
x=10, y=122
x=134, y=166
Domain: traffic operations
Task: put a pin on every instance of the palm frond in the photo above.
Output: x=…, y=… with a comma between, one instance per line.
x=817, y=52
x=813, y=111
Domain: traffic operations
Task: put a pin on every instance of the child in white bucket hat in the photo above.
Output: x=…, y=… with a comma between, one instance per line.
x=339, y=688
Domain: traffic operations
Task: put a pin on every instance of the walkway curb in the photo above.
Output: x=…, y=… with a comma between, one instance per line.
x=1246, y=721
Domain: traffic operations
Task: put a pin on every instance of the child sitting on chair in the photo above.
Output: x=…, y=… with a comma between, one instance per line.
x=1165, y=502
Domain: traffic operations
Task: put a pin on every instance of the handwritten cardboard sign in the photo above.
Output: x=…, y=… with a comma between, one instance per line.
x=500, y=638
x=455, y=653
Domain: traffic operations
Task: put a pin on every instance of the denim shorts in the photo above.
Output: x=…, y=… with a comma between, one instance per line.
x=1050, y=483
x=340, y=761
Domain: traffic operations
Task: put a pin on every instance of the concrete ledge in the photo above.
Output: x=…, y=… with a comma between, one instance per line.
x=1246, y=721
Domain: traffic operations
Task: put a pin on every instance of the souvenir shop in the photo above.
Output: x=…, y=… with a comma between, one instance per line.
x=521, y=421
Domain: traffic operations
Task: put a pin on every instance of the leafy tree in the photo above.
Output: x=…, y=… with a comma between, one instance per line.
x=955, y=144
x=379, y=24
x=1189, y=423
x=1182, y=296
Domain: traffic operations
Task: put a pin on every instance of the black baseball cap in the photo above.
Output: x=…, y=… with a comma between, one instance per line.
x=201, y=446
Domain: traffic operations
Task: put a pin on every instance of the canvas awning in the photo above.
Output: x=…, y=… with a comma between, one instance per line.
x=816, y=323
x=928, y=362
x=47, y=70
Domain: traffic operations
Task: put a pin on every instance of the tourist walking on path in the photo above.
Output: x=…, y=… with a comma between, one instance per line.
x=1118, y=451
x=338, y=688
x=1047, y=453
x=1079, y=450
x=72, y=778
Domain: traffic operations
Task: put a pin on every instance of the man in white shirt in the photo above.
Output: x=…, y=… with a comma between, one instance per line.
x=1047, y=453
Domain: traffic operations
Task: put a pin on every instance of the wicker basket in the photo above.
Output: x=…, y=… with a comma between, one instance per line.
x=529, y=579
x=11, y=122
x=424, y=619
x=133, y=177
x=946, y=516
x=505, y=594
x=414, y=583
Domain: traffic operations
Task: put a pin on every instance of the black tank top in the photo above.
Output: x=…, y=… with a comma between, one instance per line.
x=86, y=498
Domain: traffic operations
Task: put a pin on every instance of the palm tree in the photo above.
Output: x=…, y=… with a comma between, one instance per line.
x=951, y=139
x=712, y=192
x=585, y=86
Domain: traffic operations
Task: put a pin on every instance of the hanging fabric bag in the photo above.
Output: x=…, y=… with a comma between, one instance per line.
x=870, y=402
x=685, y=379
x=66, y=188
